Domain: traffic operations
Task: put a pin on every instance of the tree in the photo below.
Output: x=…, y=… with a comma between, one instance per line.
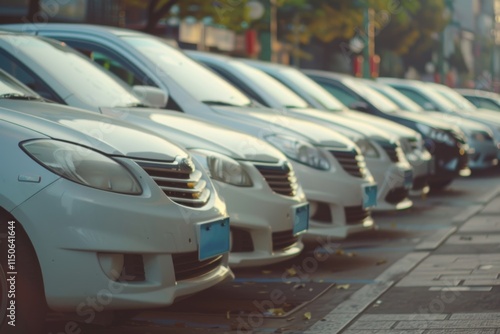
x=229, y=13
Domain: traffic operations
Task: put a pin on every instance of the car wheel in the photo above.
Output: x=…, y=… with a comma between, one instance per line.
x=440, y=185
x=22, y=299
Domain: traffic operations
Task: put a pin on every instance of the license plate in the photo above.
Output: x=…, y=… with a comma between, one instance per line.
x=408, y=182
x=301, y=219
x=213, y=238
x=369, y=195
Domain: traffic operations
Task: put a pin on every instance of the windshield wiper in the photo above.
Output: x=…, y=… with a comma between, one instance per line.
x=220, y=103
x=136, y=105
x=16, y=96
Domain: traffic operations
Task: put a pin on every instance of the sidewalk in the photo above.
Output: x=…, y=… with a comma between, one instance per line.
x=455, y=288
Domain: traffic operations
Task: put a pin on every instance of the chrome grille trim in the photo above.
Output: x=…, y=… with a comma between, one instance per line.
x=352, y=162
x=280, y=177
x=179, y=180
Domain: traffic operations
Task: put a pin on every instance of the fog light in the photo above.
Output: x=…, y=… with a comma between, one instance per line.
x=111, y=264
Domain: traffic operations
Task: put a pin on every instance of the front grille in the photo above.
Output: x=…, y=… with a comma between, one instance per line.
x=356, y=214
x=352, y=162
x=393, y=151
x=187, y=265
x=179, y=180
x=284, y=240
x=397, y=195
x=280, y=178
x=241, y=241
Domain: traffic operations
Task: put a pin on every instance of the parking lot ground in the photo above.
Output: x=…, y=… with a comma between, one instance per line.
x=430, y=269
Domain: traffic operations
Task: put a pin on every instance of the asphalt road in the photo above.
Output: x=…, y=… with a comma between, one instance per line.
x=293, y=296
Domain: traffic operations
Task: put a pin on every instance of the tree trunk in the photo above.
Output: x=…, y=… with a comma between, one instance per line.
x=156, y=15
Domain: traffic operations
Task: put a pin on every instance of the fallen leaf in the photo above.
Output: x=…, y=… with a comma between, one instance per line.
x=276, y=311
x=266, y=272
x=343, y=286
x=228, y=315
x=262, y=292
x=381, y=262
x=291, y=271
x=298, y=286
x=339, y=252
x=351, y=254
x=394, y=225
x=307, y=316
x=290, y=319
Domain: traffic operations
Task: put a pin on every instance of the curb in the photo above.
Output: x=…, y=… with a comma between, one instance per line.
x=435, y=240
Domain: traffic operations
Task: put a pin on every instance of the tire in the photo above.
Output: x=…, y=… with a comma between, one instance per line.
x=440, y=185
x=29, y=299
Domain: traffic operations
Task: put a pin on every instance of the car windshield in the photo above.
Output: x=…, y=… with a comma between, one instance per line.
x=200, y=82
x=371, y=95
x=455, y=98
x=398, y=98
x=10, y=87
x=441, y=102
x=313, y=89
x=279, y=92
x=78, y=74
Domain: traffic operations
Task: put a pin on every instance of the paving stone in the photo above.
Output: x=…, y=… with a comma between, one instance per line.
x=476, y=316
x=449, y=324
x=469, y=277
x=482, y=224
x=473, y=239
x=381, y=331
x=460, y=331
x=444, y=272
x=481, y=282
x=418, y=282
x=399, y=317
x=493, y=207
x=360, y=324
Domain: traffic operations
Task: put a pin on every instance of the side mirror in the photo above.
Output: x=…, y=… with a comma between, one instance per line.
x=429, y=106
x=153, y=96
x=359, y=106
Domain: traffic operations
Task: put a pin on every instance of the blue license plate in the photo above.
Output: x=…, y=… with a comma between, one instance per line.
x=301, y=219
x=408, y=183
x=369, y=196
x=213, y=238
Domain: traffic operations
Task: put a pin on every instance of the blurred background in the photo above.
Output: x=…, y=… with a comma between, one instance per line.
x=456, y=42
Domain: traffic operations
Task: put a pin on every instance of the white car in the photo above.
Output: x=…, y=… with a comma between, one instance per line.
x=330, y=167
x=247, y=172
x=383, y=155
x=377, y=130
x=89, y=217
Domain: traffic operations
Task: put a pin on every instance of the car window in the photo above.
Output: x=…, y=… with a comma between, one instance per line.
x=415, y=96
x=202, y=83
x=22, y=73
x=111, y=61
x=487, y=104
x=312, y=88
x=343, y=96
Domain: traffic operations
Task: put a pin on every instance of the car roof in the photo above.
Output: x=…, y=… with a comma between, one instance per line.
x=68, y=27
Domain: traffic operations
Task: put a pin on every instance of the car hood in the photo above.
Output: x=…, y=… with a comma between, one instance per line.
x=384, y=124
x=191, y=132
x=456, y=120
x=272, y=122
x=483, y=115
x=95, y=130
x=350, y=128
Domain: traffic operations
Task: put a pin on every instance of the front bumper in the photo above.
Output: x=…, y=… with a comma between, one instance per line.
x=482, y=154
x=449, y=161
x=390, y=176
x=336, y=201
x=80, y=240
x=261, y=222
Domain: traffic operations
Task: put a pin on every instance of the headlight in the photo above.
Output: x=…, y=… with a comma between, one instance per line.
x=222, y=168
x=83, y=166
x=367, y=148
x=478, y=136
x=437, y=135
x=300, y=151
